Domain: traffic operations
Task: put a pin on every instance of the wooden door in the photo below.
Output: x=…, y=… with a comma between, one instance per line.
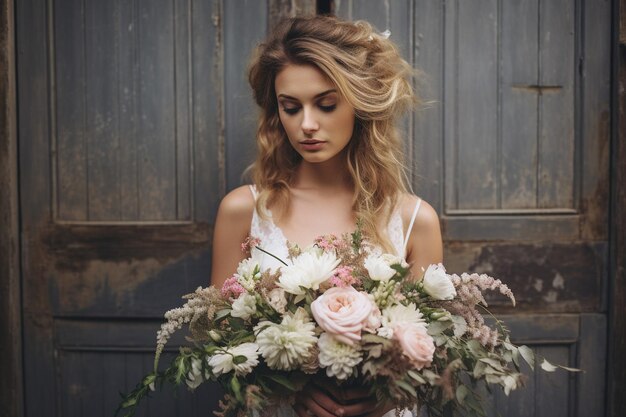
x=124, y=110
x=135, y=118
x=513, y=151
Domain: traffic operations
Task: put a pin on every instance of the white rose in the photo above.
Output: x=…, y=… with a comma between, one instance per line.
x=379, y=267
x=195, y=377
x=244, y=306
x=309, y=270
x=276, y=299
x=438, y=284
x=222, y=363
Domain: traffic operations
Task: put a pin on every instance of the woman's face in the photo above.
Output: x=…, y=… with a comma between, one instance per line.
x=317, y=120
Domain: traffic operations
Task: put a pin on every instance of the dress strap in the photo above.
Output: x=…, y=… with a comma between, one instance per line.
x=408, y=231
x=254, y=192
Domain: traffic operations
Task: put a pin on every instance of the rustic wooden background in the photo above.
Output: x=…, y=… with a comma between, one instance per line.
x=134, y=118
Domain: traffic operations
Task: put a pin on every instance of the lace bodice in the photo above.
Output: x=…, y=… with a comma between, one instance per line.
x=274, y=241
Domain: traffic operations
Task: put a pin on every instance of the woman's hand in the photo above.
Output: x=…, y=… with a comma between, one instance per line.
x=355, y=401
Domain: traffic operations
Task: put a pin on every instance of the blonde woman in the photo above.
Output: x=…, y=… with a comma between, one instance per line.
x=330, y=94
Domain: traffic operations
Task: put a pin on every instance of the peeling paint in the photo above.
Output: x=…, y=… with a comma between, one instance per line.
x=558, y=281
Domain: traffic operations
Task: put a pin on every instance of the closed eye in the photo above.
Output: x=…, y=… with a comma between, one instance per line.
x=291, y=110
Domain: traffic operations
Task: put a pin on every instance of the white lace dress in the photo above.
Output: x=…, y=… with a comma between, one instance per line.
x=274, y=241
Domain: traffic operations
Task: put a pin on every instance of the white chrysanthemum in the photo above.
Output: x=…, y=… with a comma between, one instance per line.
x=379, y=267
x=399, y=314
x=338, y=358
x=248, y=272
x=195, y=377
x=438, y=284
x=244, y=306
x=286, y=345
x=308, y=270
x=222, y=363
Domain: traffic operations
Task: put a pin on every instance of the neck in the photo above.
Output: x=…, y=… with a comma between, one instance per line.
x=331, y=174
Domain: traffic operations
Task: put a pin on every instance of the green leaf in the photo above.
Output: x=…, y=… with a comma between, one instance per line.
x=528, y=355
x=407, y=387
x=280, y=379
x=437, y=327
x=547, y=366
x=461, y=393
x=235, y=386
x=221, y=314
x=493, y=362
x=416, y=376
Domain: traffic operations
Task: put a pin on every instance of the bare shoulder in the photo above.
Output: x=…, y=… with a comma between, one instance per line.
x=427, y=217
x=424, y=246
x=237, y=204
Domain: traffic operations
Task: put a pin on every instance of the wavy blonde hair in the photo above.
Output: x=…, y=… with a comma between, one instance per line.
x=372, y=76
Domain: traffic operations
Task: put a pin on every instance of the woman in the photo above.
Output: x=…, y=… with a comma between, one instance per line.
x=330, y=94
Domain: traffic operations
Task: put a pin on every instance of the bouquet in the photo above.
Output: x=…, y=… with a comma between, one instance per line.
x=344, y=311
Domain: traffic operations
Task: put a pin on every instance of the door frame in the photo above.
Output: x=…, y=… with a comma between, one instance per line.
x=11, y=377
x=616, y=364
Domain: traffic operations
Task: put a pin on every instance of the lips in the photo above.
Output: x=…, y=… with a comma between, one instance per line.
x=312, y=145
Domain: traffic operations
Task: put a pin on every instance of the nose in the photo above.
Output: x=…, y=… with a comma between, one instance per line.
x=309, y=121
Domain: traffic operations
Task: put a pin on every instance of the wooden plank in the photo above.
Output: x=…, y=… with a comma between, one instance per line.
x=128, y=101
x=592, y=354
x=428, y=121
x=32, y=23
x=280, y=9
x=616, y=366
x=101, y=109
x=476, y=101
x=156, y=140
x=544, y=276
x=70, y=178
x=208, y=109
x=11, y=377
x=183, y=94
x=510, y=227
x=557, y=66
x=242, y=31
x=519, y=67
x=595, y=119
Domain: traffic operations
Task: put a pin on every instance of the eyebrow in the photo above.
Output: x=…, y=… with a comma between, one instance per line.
x=323, y=93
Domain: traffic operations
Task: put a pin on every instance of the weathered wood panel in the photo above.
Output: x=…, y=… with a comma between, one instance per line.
x=519, y=118
x=544, y=276
x=11, y=377
x=133, y=90
x=428, y=137
x=245, y=24
x=122, y=94
x=616, y=365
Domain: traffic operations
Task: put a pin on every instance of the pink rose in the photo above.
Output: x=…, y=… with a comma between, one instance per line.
x=374, y=321
x=416, y=343
x=342, y=312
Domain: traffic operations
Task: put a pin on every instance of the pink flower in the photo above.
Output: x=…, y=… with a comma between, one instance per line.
x=343, y=277
x=232, y=288
x=249, y=244
x=374, y=321
x=416, y=343
x=343, y=312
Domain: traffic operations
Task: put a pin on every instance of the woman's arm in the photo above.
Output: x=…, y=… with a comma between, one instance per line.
x=232, y=226
x=425, y=246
